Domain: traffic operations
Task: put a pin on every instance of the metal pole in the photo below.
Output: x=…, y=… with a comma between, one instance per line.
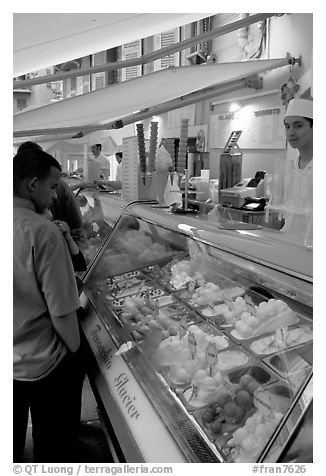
x=148, y=57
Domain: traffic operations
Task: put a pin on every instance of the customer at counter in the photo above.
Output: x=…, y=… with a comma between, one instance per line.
x=298, y=123
x=48, y=375
x=64, y=205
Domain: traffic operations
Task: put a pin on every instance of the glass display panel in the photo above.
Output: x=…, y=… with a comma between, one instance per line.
x=231, y=340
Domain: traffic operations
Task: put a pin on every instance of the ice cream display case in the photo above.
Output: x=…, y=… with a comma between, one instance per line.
x=200, y=338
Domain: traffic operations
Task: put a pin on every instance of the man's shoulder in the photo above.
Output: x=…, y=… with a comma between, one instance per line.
x=35, y=223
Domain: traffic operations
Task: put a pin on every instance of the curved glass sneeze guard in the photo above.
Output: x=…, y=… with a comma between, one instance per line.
x=233, y=350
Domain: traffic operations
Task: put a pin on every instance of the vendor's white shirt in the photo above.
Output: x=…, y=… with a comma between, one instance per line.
x=299, y=201
x=104, y=165
x=98, y=166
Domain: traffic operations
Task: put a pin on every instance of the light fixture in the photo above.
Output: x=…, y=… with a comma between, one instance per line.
x=234, y=107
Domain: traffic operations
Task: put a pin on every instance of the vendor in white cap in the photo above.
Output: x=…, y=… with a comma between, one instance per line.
x=298, y=122
x=115, y=184
x=98, y=169
x=102, y=160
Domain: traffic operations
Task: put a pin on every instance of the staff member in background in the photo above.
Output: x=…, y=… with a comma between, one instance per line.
x=48, y=375
x=298, y=123
x=64, y=205
x=117, y=183
x=102, y=160
x=98, y=169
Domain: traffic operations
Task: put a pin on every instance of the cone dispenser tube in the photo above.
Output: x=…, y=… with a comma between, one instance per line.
x=152, y=147
x=141, y=148
x=181, y=163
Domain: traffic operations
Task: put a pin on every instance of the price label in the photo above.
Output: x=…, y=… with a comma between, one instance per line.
x=194, y=392
x=281, y=336
x=192, y=344
x=182, y=329
x=211, y=354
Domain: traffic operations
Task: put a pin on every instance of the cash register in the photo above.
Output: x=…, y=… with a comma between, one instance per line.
x=247, y=194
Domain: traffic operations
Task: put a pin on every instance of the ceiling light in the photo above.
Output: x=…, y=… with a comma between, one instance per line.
x=234, y=107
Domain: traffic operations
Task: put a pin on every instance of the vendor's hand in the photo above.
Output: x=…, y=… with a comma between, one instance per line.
x=88, y=184
x=100, y=182
x=103, y=183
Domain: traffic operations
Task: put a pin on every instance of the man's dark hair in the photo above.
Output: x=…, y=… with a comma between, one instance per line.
x=32, y=163
x=28, y=145
x=310, y=120
x=98, y=146
x=119, y=154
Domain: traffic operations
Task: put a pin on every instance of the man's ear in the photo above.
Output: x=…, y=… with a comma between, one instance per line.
x=32, y=184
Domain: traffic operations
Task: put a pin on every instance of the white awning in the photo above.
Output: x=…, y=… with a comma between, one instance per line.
x=42, y=40
x=116, y=101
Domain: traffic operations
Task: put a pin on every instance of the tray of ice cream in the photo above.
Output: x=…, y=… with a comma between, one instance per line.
x=207, y=382
x=263, y=319
x=179, y=358
x=144, y=290
x=246, y=443
x=162, y=272
x=282, y=338
x=185, y=283
x=237, y=301
x=164, y=315
x=225, y=314
x=174, y=274
x=123, y=285
x=234, y=402
x=121, y=277
x=204, y=296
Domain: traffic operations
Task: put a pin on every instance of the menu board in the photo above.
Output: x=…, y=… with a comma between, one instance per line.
x=261, y=125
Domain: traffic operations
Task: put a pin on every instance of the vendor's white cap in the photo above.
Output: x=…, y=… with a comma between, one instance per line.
x=300, y=107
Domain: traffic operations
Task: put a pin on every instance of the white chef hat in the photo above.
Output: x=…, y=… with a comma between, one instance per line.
x=300, y=107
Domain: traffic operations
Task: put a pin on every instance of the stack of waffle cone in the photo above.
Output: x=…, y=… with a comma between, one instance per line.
x=181, y=163
x=141, y=150
x=152, y=149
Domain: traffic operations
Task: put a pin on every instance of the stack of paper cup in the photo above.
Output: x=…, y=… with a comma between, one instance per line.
x=152, y=149
x=141, y=150
x=181, y=164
